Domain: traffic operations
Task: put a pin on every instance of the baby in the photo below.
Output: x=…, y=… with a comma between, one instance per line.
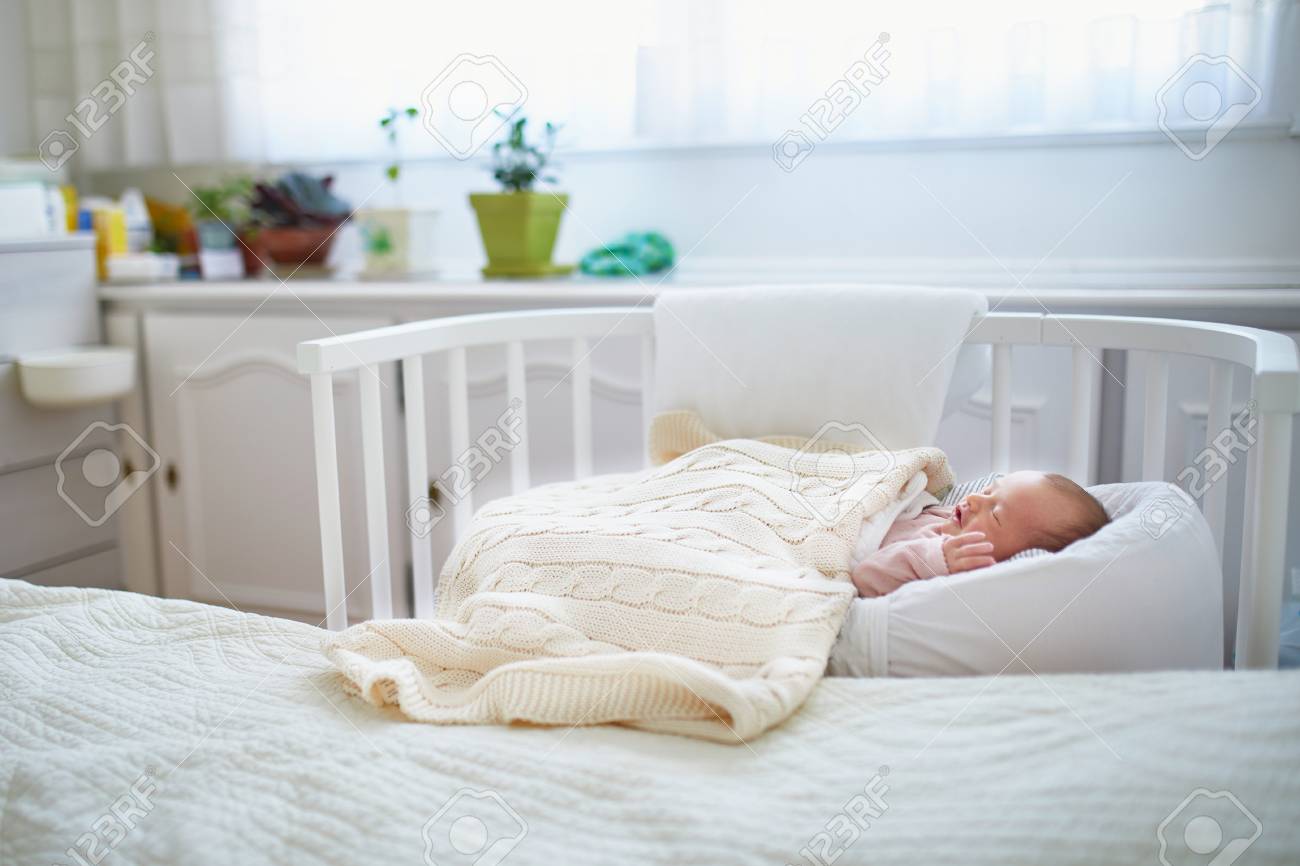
x=1016, y=512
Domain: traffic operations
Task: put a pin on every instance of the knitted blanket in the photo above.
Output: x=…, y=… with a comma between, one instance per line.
x=701, y=597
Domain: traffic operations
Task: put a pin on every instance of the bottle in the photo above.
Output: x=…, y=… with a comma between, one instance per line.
x=110, y=236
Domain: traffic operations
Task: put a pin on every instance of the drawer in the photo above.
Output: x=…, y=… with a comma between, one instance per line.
x=103, y=570
x=40, y=526
x=34, y=435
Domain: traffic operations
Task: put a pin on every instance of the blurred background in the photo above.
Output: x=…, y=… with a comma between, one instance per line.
x=1015, y=116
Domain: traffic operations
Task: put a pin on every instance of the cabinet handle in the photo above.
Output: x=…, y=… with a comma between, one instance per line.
x=172, y=476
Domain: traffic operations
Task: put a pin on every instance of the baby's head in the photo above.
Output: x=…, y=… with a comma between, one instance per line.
x=1027, y=510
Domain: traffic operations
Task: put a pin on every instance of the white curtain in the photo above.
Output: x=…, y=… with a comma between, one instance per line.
x=306, y=80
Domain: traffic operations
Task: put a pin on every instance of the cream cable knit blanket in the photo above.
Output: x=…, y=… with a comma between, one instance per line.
x=700, y=597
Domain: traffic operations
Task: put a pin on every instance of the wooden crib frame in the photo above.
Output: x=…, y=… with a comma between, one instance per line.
x=1271, y=359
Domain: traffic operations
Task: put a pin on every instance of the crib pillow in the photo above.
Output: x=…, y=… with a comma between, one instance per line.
x=815, y=361
x=1143, y=593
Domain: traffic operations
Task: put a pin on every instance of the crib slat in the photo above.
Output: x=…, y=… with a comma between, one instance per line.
x=1081, y=417
x=458, y=413
x=1249, y=515
x=417, y=484
x=372, y=447
x=647, y=392
x=1155, y=421
x=327, y=495
x=1001, y=407
x=581, y=409
x=1219, y=414
x=1260, y=602
x=517, y=394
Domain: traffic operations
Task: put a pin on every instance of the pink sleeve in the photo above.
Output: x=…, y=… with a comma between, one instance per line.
x=894, y=565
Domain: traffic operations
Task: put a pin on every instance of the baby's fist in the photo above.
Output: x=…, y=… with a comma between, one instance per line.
x=967, y=551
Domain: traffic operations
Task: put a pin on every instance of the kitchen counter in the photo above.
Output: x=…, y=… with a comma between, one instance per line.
x=1275, y=306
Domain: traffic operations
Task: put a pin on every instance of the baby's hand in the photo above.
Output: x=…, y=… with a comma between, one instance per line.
x=967, y=551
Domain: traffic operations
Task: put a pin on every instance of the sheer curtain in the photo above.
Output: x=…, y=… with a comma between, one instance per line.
x=306, y=80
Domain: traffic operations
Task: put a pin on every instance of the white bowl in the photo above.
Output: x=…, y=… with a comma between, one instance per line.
x=79, y=376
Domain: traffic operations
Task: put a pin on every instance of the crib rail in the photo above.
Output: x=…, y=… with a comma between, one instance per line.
x=1269, y=358
x=409, y=344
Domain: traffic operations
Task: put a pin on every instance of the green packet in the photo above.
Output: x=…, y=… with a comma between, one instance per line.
x=634, y=254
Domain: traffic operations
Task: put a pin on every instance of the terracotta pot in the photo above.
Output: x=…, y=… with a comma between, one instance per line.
x=254, y=254
x=293, y=246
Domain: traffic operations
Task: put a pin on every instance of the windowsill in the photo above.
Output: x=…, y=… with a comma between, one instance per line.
x=1277, y=127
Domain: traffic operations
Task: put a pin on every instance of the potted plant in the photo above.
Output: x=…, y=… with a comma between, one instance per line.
x=519, y=225
x=293, y=222
x=219, y=212
x=398, y=240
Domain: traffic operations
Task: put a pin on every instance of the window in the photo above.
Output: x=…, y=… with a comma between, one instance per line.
x=306, y=80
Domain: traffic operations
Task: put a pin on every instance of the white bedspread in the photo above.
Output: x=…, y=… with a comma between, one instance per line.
x=258, y=756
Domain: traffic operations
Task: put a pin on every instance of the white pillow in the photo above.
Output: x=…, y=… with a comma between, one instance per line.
x=1144, y=593
x=826, y=361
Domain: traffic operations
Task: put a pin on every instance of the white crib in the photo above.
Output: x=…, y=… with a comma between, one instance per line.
x=1270, y=358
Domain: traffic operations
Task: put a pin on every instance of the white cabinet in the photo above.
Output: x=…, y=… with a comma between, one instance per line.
x=235, y=511
x=236, y=514
x=56, y=526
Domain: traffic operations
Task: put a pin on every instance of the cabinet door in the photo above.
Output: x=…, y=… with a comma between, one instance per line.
x=238, y=522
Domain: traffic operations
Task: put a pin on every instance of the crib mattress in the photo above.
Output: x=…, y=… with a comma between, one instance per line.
x=168, y=731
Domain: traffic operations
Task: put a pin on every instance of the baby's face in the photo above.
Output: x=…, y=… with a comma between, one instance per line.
x=1008, y=512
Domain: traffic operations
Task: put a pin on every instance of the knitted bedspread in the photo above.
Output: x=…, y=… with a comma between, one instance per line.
x=701, y=597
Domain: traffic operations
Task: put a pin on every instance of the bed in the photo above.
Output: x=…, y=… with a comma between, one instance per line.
x=232, y=742
x=156, y=731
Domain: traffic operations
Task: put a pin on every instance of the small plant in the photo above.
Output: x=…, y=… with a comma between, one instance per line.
x=516, y=164
x=297, y=200
x=227, y=201
x=388, y=123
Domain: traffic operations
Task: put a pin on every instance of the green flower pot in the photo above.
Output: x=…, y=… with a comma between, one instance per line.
x=519, y=230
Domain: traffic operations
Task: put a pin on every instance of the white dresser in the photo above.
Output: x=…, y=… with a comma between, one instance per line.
x=47, y=301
